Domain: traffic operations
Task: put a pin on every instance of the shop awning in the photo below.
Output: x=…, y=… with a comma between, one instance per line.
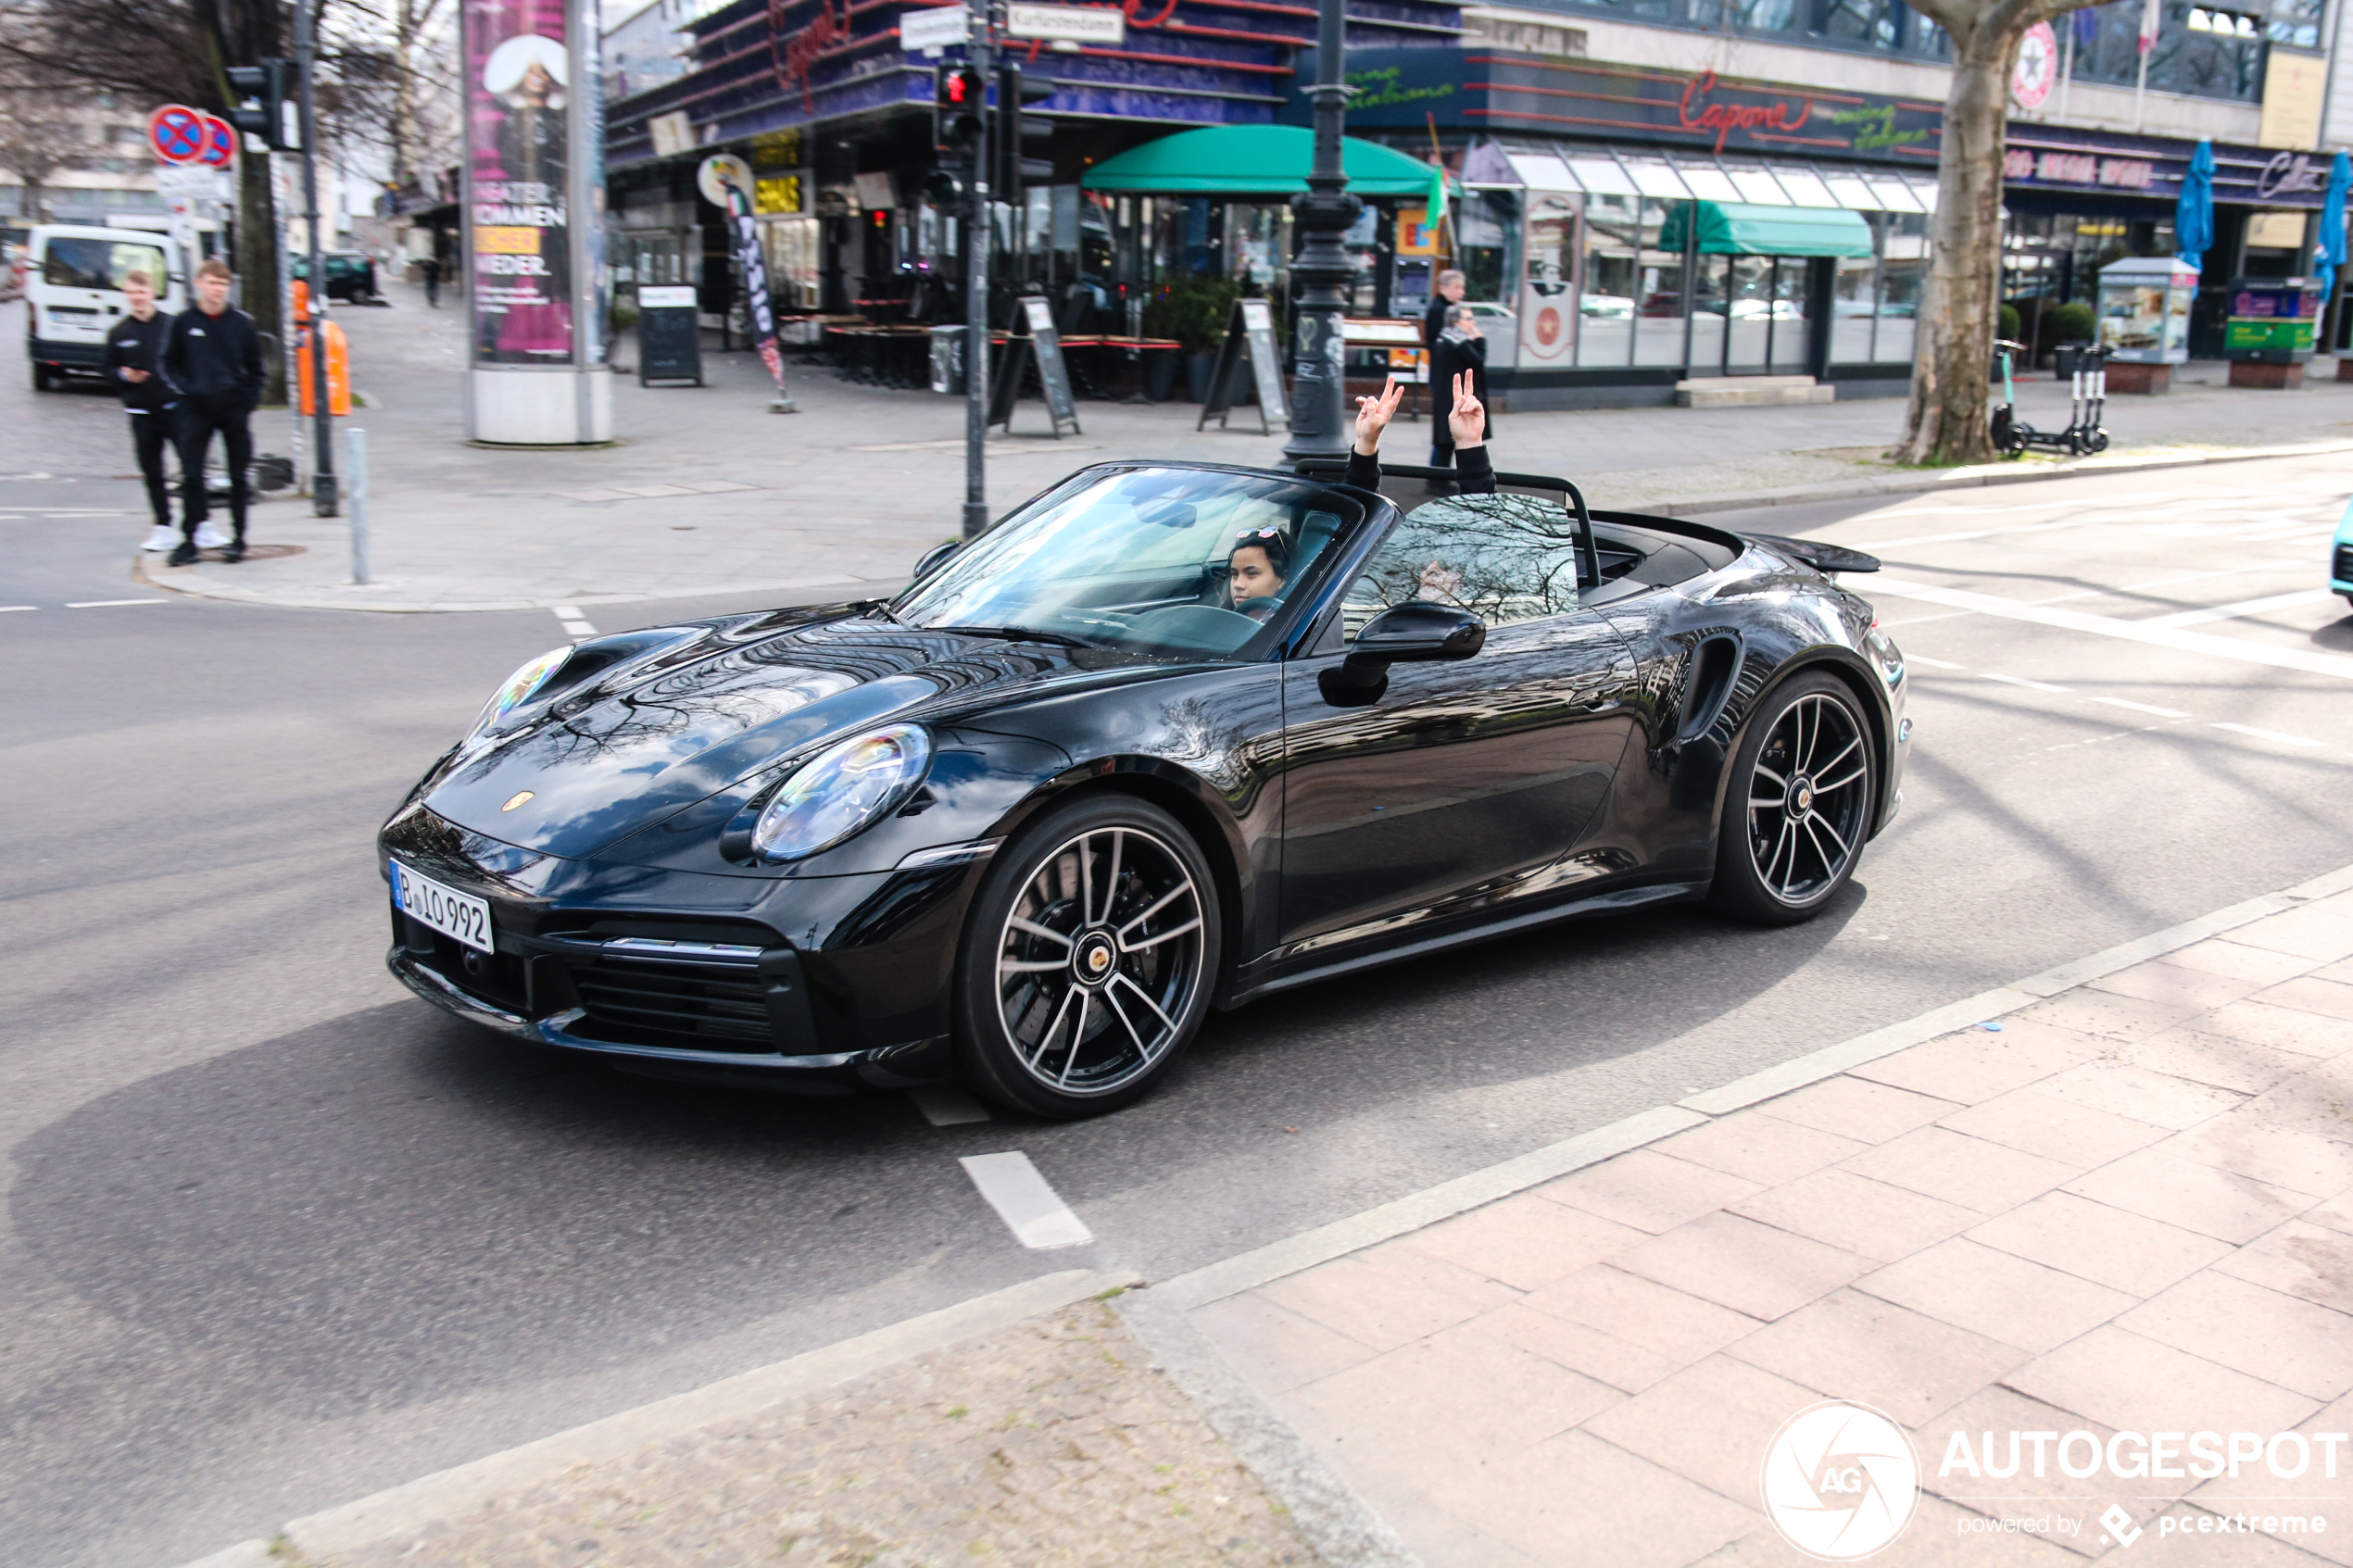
x=1744, y=229
x=1253, y=161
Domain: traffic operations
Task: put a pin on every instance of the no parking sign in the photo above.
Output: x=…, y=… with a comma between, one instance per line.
x=177, y=133
x=220, y=148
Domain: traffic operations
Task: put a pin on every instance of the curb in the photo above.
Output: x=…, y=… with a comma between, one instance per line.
x=1417, y=1210
x=461, y=1489
x=1908, y=483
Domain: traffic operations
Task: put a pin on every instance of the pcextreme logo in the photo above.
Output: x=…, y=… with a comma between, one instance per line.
x=1841, y=1480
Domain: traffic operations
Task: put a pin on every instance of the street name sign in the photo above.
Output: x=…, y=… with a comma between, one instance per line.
x=1069, y=24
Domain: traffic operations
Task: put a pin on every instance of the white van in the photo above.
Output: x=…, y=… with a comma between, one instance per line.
x=73, y=293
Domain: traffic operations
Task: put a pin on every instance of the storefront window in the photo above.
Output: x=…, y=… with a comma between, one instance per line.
x=1881, y=26
x=2200, y=50
x=789, y=247
x=1484, y=223
x=1608, y=280
x=1903, y=245
x=1711, y=277
x=1854, y=305
x=1659, y=322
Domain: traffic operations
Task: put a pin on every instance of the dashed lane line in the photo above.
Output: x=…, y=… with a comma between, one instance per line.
x=1031, y=1209
x=7, y=608
x=113, y=604
x=2173, y=637
x=1932, y=663
x=2126, y=702
x=573, y=622
x=2280, y=737
x=2022, y=680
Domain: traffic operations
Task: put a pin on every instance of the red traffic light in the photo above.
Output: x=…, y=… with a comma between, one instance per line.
x=956, y=87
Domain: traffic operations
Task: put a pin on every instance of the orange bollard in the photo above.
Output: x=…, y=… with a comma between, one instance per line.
x=338, y=370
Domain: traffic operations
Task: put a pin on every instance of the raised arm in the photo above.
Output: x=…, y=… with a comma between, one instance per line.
x=1373, y=415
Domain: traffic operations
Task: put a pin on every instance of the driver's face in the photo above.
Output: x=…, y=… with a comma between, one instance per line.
x=1253, y=575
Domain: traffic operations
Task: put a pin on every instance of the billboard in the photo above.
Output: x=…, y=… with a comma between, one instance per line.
x=519, y=149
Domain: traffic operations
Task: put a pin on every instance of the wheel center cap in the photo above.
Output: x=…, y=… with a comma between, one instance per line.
x=1093, y=960
x=1801, y=795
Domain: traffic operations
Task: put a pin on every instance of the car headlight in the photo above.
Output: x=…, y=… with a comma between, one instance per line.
x=840, y=790
x=521, y=685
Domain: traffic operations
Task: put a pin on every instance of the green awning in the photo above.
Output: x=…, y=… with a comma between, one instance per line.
x=1746, y=229
x=1253, y=161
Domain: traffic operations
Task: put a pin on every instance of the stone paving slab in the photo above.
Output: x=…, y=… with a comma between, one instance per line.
x=2120, y=1209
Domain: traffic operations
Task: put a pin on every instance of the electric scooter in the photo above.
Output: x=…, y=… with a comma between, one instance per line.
x=2083, y=434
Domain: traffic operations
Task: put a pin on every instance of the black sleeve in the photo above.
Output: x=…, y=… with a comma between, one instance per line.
x=250, y=379
x=1473, y=472
x=117, y=354
x=1363, y=471
x=173, y=361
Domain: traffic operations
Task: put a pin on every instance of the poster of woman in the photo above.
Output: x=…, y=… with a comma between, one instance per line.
x=518, y=144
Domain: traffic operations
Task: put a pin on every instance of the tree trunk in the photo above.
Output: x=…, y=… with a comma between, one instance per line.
x=1953, y=352
x=258, y=265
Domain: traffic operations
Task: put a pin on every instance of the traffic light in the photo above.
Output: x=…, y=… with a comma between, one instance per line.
x=260, y=110
x=959, y=105
x=1019, y=134
x=944, y=190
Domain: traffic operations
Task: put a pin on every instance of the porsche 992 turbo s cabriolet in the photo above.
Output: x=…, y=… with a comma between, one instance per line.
x=1023, y=825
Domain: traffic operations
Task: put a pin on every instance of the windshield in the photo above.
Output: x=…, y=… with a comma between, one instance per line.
x=1507, y=558
x=84, y=263
x=1182, y=562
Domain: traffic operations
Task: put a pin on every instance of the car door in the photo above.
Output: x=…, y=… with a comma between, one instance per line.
x=1466, y=779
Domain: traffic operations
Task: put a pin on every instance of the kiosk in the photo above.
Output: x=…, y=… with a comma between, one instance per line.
x=2144, y=322
x=2269, y=334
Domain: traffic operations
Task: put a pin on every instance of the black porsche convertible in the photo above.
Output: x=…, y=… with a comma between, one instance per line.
x=1023, y=825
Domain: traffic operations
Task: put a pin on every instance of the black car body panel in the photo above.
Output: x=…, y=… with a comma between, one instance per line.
x=1577, y=764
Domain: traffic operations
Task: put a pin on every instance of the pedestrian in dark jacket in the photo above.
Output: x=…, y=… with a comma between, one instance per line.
x=1444, y=294
x=212, y=357
x=1459, y=351
x=430, y=269
x=134, y=358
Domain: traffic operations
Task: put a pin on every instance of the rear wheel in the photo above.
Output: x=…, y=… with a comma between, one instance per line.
x=1088, y=964
x=1799, y=803
x=42, y=379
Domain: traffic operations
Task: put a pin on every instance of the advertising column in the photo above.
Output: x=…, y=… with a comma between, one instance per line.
x=533, y=224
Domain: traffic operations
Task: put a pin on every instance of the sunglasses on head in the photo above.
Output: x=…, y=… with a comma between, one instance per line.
x=1248, y=535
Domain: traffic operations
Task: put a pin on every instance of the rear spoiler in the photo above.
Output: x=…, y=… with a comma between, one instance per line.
x=1822, y=558
x=1334, y=470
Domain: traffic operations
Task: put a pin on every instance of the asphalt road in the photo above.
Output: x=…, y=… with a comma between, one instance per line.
x=278, y=1236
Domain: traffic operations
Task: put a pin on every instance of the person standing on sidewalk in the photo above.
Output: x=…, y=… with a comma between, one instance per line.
x=134, y=353
x=430, y=270
x=1444, y=295
x=212, y=357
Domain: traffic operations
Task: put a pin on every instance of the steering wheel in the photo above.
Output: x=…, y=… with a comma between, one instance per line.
x=1200, y=626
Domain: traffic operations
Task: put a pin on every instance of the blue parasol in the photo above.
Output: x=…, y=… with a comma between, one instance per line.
x=2193, y=214
x=2331, y=254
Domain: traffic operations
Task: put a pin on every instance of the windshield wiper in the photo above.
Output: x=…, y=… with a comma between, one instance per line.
x=1019, y=635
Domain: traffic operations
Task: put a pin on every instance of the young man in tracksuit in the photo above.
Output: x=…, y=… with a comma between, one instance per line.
x=134, y=355
x=212, y=357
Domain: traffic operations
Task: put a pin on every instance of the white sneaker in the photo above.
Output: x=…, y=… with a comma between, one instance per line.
x=209, y=536
x=163, y=538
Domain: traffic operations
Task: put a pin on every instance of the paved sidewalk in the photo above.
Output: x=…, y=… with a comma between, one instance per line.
x=706, y=492
x=2127, y=1207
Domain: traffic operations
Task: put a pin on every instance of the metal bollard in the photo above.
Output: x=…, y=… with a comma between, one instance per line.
x=355, y=492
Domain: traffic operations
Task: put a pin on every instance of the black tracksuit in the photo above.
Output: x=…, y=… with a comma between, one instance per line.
x=134, y=344
x=214, y=364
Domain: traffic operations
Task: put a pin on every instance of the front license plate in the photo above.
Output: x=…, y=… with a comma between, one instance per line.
x=452, y=913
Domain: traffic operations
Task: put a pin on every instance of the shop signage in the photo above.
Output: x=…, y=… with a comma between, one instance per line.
x=2037, y=69
x=2024, y=166
x=1504, y=90
x=2290, y=174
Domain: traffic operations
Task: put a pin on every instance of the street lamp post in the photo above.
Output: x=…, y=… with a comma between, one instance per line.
x=323, y=499
x=1318, y=412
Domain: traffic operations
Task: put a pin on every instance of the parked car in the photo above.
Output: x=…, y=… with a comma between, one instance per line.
x=2341, y=557
x=73, y=284
x=351, y=274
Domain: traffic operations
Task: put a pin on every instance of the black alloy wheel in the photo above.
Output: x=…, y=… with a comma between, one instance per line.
x=1798, y=803
x=1089, y=958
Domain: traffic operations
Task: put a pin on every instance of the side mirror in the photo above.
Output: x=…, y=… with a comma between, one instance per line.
x=934, y=558
x=1417, y=632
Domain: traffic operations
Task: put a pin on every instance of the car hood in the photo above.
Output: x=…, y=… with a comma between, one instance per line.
x=659, y=734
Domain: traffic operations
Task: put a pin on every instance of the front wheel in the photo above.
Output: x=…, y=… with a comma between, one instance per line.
x=1799, y=803
x=41, y=378
x=1089, y=958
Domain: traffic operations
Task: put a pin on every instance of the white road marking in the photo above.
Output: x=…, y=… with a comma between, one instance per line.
x=945, y=1105
x=6, y=608
x=113, y=604
x=1934, y=663
x=2127, y=702
x=2244, y=606
x=2022, y=680
x=2170, y=638
x=575, y=622
x=2266, y=734
x=1036, y=1216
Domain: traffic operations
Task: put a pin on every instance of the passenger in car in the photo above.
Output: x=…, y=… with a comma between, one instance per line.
x=1257, y=572
x=1474, y=474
